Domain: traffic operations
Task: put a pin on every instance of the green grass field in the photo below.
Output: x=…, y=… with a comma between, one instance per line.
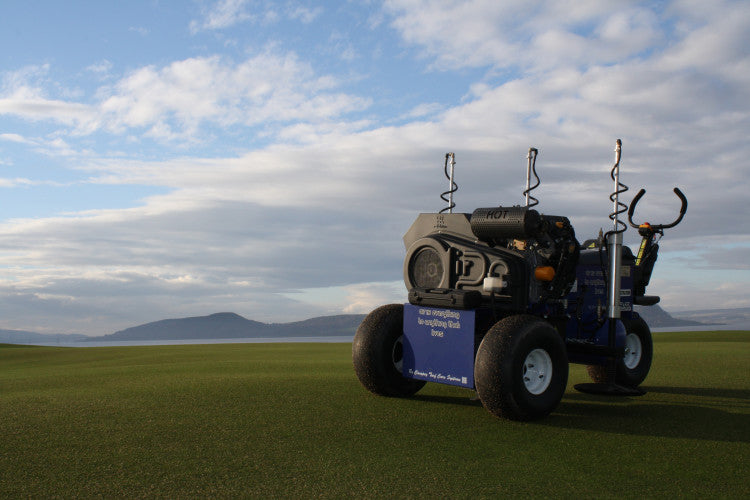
x=291, y=420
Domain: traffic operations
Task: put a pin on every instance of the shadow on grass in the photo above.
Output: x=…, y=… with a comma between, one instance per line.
x=709, y=392
x=450, y=400
x=716, y=419
x=723, y=416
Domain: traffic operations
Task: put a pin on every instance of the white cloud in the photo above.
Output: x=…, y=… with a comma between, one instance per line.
x=222, y=14
x=54, y=146
x=175, y=101
x=22, y=95
x=13, y=80
x=142, y=31
x=531, y=35
x=243, y=231
x=25, y=103
x=304, y=14
x=423, y=110
x=721, y=52
x=8, y=183
x=227, y=13
x=101, y=69
x=103, y=66
x=15, y=138
x=364, y=297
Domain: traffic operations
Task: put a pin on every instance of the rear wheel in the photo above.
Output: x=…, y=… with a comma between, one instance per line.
x=633, y=368
x=521, y=368
x=378, y=353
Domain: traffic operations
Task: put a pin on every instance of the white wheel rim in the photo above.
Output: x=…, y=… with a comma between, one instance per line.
x=537, y=371
x=397, y=355
x=633, y=351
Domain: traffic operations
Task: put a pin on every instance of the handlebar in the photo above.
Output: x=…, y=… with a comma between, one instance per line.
x=658, y=227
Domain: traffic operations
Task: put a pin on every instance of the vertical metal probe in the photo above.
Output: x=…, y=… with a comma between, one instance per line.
x=447, y=196
x=615, y=246
x=451, y=189
x=528, y=176
x=531, y=169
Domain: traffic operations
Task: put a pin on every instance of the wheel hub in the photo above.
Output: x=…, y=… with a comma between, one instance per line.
x=537, y=371
x=633, y=351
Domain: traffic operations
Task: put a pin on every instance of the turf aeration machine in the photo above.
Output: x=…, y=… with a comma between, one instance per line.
x=502, y=299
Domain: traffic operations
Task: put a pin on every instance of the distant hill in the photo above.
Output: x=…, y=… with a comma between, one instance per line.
x=230, y=326
x=343, y=324
x=24, y=337
x=656, y=317
x=735, y=316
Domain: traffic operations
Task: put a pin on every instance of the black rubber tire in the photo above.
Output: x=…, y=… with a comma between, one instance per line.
x=629, y=377
x=499, y=368
x=377, y=348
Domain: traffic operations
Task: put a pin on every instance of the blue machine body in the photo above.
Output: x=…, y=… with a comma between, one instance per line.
x=586, y=310
x=440, y=344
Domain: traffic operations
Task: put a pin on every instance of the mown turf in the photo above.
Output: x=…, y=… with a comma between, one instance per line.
x=291, y=420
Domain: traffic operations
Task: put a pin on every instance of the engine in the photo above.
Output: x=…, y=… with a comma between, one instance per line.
x=505, y=257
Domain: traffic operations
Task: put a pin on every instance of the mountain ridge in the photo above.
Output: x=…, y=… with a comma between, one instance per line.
x=8, y=336
x=229, y=325
x=656, y=317
x=727, y=316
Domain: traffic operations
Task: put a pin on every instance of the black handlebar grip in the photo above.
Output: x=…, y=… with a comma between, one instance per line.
x=632, y=206
x=683, y=208
x=657, y=227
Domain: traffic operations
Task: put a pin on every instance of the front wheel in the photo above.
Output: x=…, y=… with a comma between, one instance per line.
x=521, y=368
x=633, y=368
x=378, y=353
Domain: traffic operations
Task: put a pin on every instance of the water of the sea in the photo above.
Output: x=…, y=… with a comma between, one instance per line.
x=123, y=343
x=333, y=339
x=702, y=328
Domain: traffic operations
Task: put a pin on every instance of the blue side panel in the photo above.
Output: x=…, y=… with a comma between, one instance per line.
x=588, y=298
x=587, y=310
x=439, y=345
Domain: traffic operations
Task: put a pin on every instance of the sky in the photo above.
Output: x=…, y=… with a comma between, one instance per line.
x=163, y=159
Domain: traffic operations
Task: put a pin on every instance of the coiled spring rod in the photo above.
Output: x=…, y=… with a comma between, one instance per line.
x=618, y=207
x=447, y=196
x=531, y=169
